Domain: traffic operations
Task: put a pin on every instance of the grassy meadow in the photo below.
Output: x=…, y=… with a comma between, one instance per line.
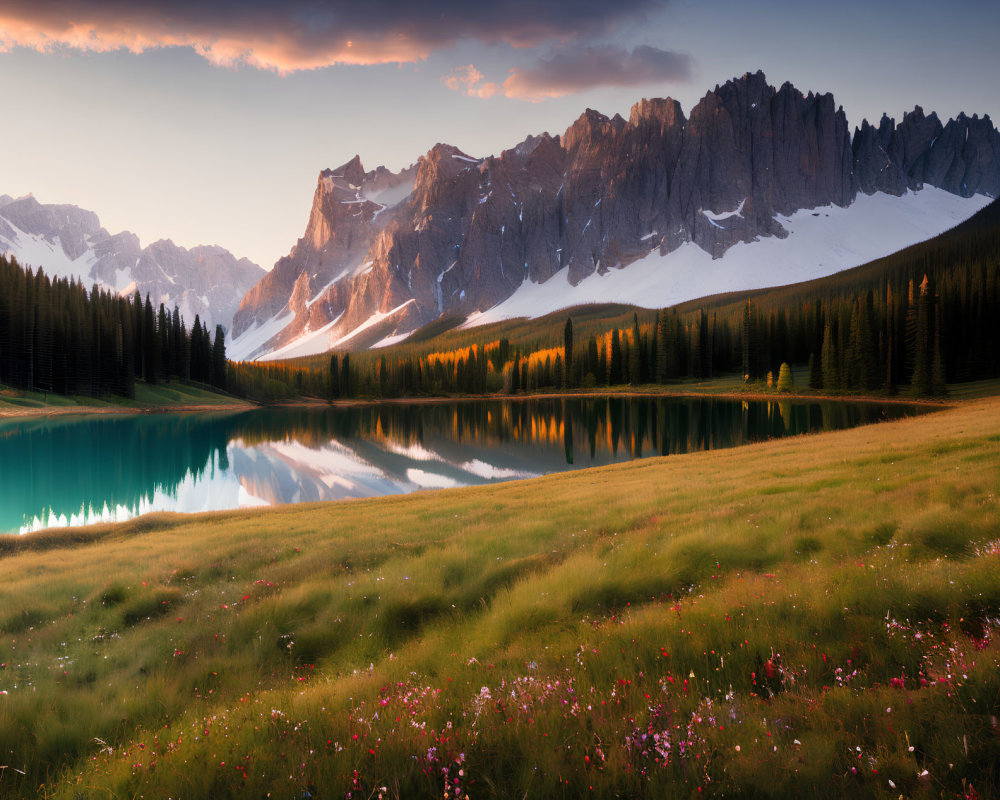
x=148, y=396
x=809, y=617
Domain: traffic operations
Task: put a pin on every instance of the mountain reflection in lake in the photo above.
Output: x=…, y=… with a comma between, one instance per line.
x=73, y=471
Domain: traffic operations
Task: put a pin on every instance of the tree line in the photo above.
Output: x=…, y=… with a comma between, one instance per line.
x=915, y=321
x=55, y=336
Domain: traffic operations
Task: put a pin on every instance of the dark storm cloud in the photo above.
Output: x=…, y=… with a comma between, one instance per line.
x=305, y=34
x=578, y=68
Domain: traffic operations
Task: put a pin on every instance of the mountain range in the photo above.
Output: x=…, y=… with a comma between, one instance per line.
x=758, y=186
x=69, y=242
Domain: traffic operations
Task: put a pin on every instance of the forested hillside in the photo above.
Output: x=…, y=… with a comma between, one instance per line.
x=926, y=316
x=55, y=336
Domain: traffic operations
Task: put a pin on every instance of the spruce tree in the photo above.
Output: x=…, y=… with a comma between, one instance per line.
x=828, y=358
x=593, y=362
x=748, y=355
x=615, y=367
x=660, y=341
x=345, y=376
x=219, y=358
x=198, y=367
x=785, y=381
x=634, y=357
x=334, y=377
x=151, y=360
x=938, y=385
x=815, y=373
x=921, y=382
x=568, y=352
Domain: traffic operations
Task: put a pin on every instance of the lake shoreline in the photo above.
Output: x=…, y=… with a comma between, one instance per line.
x=293, y=622
x=14, y=412
x=941, y=403
x=274, y=455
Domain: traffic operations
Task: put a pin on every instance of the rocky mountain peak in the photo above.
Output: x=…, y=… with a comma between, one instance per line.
x=527, y=147
x=442, y=164
x=68, y=224
x=662, y=112
x=964, y=158
x=458, y=234
x=351, y=173
x=591, y=129
x=67, y=241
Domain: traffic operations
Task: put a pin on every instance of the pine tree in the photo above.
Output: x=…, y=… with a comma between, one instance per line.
x=634, y=356
x=151, y=360
x=568, y=351
x=660, y=341
x=921, y=382
x=615, y=365
x=593, y=362
x=383, y=377
x=938, y=385
x=785, y=381
x=815, y=373
x=199, y=367
x=334, y=377
x=219, y=359
x=749, y=369
x=345, y=376
x=828, y=357
x=890, y=348
x=163, y=343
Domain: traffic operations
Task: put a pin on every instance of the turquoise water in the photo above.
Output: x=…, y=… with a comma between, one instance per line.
x=77, y=470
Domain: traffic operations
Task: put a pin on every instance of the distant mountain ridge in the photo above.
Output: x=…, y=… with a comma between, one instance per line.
x=67, y=241
x=386, y=252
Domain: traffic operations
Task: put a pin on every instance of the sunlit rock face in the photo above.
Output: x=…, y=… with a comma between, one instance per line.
x=386, y=252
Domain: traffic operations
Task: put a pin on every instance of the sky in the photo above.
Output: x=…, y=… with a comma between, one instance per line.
x=208, y=122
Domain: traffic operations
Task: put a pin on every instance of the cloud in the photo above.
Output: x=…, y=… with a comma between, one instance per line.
x=305, y=34
x=575, y=69
x=468, y=79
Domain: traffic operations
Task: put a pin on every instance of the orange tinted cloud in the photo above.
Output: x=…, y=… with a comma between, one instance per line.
x=302, y=34
x=468, y=80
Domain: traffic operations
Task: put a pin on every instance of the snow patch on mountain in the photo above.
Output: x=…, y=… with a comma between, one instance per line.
x=715, y=219
x=68, y=242
x=249, y=344
x=309, y=343
x=30, y=249
x=244, y=345
x=820, y=242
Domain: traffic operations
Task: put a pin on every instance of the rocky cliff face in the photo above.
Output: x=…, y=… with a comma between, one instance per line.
x=961, y=157
x=456, y=234
x=69, y=242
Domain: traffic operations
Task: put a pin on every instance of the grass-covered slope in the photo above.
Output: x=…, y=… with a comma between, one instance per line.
x=811, y=617
x=148, y=397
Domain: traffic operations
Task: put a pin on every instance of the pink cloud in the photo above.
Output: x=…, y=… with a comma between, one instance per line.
x=303, y=34
x=468, y=80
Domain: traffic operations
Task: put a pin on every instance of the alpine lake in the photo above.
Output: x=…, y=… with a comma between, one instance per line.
x=78, y=470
